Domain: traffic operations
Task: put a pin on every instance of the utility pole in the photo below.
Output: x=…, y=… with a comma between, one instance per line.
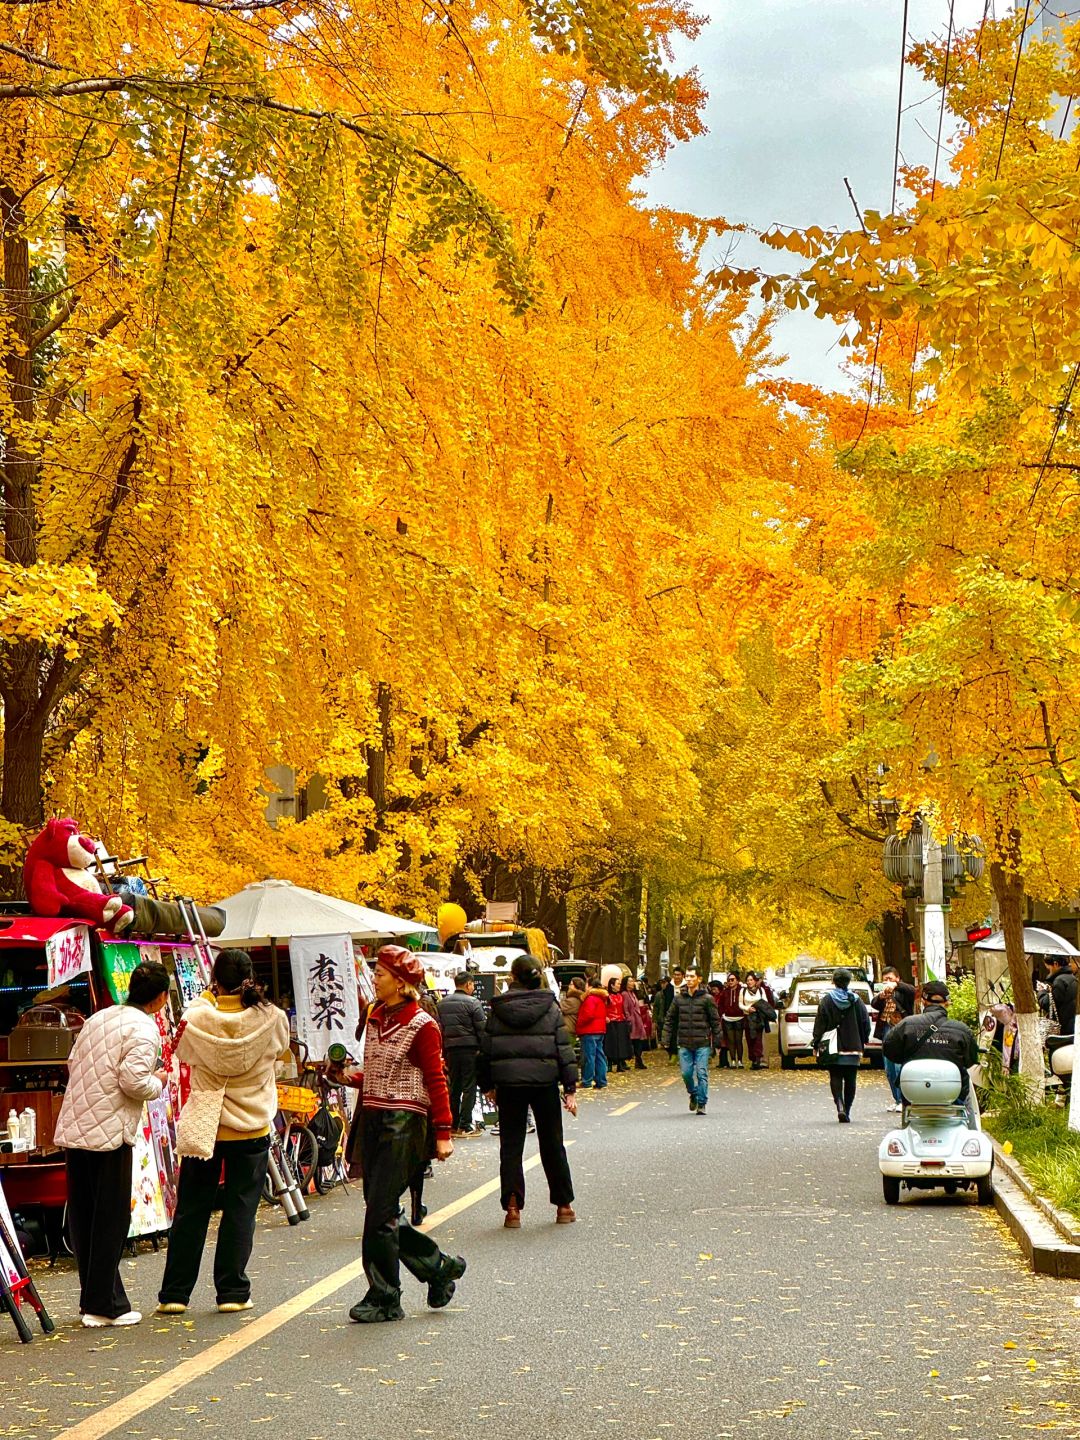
x=933, y=913
x=1053, y=20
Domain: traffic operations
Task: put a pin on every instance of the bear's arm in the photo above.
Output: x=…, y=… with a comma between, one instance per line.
x=83, y=904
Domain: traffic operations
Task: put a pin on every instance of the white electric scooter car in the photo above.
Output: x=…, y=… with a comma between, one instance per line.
x=936, y=1146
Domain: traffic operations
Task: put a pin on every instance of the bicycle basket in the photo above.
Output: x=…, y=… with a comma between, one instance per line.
x=296, y=1100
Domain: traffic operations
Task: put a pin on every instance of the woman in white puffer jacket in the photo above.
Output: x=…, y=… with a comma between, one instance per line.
x=112, y=1072
x=232, y=1039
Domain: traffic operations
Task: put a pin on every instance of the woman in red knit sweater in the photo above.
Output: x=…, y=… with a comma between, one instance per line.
x=404, y=1098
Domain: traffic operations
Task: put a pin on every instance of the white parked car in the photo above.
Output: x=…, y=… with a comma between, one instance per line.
x=795, y=1039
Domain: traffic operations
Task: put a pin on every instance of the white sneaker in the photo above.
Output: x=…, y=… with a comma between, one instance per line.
x=99, y=1322
x=233, y=1307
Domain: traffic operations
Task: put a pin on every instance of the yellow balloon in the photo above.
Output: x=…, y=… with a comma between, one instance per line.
x=451, y=921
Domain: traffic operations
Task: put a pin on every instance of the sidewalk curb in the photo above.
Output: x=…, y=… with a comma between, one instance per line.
x=1050, y=1240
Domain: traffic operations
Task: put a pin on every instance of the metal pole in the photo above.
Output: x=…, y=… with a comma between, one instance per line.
x=275, y=979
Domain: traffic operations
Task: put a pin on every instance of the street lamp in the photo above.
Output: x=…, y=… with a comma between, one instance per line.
x=930, y=874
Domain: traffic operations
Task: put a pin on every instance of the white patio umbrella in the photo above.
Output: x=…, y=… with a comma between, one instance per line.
x=267, y=911
x=1036, y=942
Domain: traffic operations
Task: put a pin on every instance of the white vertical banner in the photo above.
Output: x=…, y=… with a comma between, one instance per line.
x=324, y=991
x=68, y=954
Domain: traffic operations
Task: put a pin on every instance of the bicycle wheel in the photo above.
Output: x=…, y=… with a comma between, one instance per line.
x=303, y=1150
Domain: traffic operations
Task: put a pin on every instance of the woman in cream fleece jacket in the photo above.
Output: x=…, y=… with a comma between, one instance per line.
x=232, y=1039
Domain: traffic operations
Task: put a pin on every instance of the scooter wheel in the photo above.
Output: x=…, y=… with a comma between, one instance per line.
x=984, y=1189
x=890, y=1188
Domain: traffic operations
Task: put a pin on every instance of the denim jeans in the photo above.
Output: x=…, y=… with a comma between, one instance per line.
x=892, y=1074
x=593, y=1061
x=695, y=1073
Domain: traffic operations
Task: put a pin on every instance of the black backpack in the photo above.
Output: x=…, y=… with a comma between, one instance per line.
x=327, y=1128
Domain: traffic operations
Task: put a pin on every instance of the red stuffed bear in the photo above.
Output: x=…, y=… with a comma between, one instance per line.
x=59, y=881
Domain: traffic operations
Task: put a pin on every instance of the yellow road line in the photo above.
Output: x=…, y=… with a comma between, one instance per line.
x=625, y=1109
x=120, y=1412
x=664, y=1084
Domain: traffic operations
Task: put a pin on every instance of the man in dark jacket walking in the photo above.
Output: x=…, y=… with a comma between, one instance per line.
x=462, y=1018
x=525, y=1054
x=933, y=1036
x=1063, y=992
x=693, y=1025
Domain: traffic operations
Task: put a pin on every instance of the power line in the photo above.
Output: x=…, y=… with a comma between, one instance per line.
x=900, y=109
x=944, y=92
x=1012, y=87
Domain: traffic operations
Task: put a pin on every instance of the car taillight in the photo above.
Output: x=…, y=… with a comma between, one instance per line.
x=896, y=1147
x=933, y=1164
x=971, y=1147
x=792, y=1017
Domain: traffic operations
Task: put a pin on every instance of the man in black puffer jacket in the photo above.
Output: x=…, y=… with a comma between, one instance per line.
x=462, y=1018
x=933, y=1036
x=525, y=1054
x=693, y=1025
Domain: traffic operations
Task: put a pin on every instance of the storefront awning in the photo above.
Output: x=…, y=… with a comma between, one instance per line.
x=33, y=929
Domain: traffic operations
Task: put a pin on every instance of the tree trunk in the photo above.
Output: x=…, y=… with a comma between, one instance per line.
x=674, y=941
x=1008, y=886
x=631, y=913
x=377, y=767
x=654, y=932
x=22, y=796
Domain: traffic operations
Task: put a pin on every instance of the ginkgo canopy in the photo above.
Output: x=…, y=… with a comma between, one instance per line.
x=277, y=910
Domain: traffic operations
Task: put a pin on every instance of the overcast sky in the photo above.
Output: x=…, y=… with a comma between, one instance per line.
x=802, y=93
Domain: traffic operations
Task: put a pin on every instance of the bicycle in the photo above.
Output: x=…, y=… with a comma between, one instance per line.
x=333, y=1127
x=296, y=1105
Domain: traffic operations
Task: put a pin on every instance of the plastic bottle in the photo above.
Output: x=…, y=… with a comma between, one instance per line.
x=13, y=1129
x=28, y=1127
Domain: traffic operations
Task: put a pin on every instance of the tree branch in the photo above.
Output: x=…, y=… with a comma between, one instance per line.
x=62, y=316
x=122, y=485
x=850, y=825
x=1051, y=750
x=28, y=55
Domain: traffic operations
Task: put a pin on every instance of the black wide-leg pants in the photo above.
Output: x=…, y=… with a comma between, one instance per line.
x=394, y=1146
x=99, y=1218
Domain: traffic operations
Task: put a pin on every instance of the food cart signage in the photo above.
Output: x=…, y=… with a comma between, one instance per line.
x=68, y=953
x=325, y=991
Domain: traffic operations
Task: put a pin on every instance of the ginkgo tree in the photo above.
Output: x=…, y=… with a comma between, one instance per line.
x=952, y=600
x=360, y=419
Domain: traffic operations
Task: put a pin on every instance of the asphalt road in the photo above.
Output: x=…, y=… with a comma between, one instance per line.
x=734, y=1276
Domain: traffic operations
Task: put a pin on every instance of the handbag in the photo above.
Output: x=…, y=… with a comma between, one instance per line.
x=827, y=1046
x=196, y=1130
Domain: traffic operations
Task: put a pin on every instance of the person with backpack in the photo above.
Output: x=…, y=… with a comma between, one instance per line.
x=841, y=1030
x=526, y=1055
x=693, y=1027
x=462, y=1018
x=933, y=1036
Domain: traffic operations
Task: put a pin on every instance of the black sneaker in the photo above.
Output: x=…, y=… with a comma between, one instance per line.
x=367, y=1313
x=693, y=1104
x=441, y=1290
x=701, y=1110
